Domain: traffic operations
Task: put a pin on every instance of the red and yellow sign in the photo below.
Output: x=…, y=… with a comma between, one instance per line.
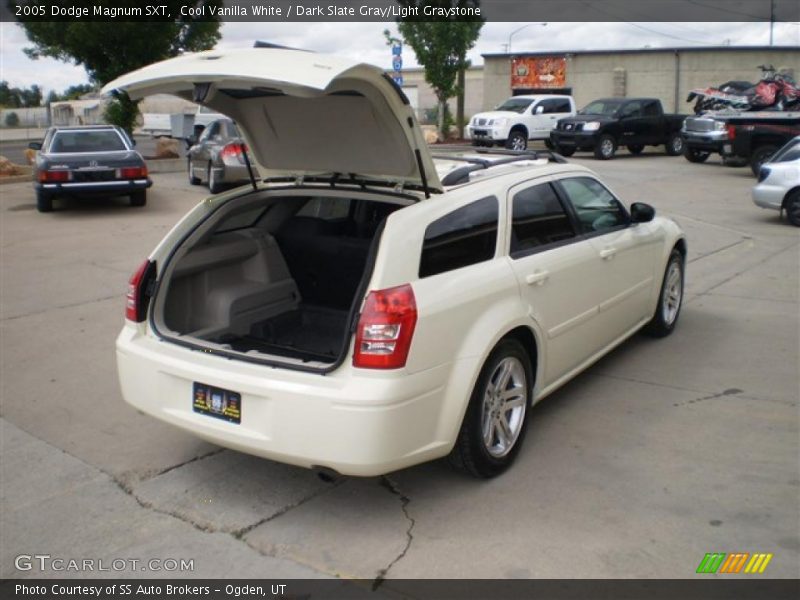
x=538, y=73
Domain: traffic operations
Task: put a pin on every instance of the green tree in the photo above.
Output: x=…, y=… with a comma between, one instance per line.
x=441, y=47
x=110, y=49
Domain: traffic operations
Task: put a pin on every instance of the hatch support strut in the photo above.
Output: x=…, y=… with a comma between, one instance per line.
x=249, y=167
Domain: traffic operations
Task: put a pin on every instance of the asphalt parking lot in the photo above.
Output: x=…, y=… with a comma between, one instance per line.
x=663, y=451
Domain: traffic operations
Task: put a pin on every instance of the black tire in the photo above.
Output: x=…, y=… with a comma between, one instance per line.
x=674, y=144
x=694, y=155
x=760, y=156
x=549, y=144
x=670, y=300
x=565, y=150
x=214, y=185
x=44, y=201
x=471, y=454
x=792, y=207
x=635, y=148
x=192, y=179
x=139, y=198
x=517, y=140
x=606, y=147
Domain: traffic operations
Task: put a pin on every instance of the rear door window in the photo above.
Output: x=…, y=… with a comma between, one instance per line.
x=538, y=221
x=597, y=210
x=464, y=237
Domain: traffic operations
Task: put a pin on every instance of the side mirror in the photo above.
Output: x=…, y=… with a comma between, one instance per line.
x=642, y=213
x=35, y=145
x=538, y=110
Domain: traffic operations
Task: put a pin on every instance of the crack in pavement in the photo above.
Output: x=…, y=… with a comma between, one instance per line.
x=386, y=482
x=728, y=392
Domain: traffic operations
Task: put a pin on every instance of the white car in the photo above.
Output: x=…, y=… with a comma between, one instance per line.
x=361, y=309
x=519, y=119
x=778, y=185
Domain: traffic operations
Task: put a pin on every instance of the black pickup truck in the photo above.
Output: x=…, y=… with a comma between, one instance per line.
x=750, y=137
x=608, y=123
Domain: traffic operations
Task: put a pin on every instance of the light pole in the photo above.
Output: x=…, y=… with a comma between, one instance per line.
x=516, y=31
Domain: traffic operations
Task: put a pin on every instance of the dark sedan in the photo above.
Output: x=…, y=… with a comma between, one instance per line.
x=96, y=160
x=217, y=157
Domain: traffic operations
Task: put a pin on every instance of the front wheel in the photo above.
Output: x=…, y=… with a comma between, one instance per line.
x=760, y=156
x=606, y=148
x=192, y=179
x=694, y=155
x=517, y=140
x=792, y=207
x=496, y=418
x=565, y=150
x=675, y=144
x=670, y=299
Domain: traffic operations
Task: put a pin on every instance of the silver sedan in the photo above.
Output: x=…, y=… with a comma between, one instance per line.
x=217, y=157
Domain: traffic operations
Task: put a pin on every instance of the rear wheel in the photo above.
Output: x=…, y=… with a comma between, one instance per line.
x=694, y=155
x=214, y=183
x=192, y=179
x=517, y=140
x=139, y=198
x=670, y=299
x=760, y=156
x=549, y=144
x=675, y=144
x=606, y=148
x=792, y=206
x=496, y=418
x=635, y=148
x=44, y=201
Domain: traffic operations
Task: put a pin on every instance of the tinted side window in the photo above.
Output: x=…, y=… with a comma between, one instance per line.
x=651, y=109
x=538, y=219
x=597, y=208
x=556, y=105
x=328, y=209
x=464, y=237
x=632, y=109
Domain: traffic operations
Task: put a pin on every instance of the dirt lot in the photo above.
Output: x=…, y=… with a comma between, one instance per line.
x=663, y=451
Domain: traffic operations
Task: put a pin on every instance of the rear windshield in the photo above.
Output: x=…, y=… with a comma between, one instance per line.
x=517, y=105
x=87, y=141
x=789, y=152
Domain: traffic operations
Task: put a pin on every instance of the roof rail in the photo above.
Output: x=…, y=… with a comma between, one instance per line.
x=461, y=174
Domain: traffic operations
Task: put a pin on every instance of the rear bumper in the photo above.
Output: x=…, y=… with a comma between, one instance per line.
x=99, y=188
x=354, y=421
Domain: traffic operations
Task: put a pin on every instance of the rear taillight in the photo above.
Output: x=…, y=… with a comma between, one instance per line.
x=234, y=150
x=54, y=176
x=763, y=173
x=731, y=132
x=385, y=329
x=131, y=172
x=136, y=299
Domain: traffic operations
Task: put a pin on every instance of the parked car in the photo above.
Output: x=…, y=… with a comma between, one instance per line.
x=747, y=137
x=778, y=185
x=518, y=120
x=91, y=160
x=605, y=124
x=365, y=308
x=217, y=157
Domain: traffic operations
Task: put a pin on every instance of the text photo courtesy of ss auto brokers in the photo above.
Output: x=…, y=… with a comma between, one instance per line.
x=330, y=307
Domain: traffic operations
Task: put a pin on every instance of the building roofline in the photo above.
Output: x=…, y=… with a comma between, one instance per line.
x=669, y=49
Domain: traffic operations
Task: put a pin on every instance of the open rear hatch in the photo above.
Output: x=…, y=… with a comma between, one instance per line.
x=304, y=115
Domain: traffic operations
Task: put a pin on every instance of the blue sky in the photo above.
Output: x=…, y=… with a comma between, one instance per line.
x=364, y=41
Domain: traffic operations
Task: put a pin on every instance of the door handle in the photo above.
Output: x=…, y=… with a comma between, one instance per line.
x=537, y=277
x=608, y=253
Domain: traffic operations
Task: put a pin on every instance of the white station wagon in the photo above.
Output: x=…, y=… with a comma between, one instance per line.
x=363, y=308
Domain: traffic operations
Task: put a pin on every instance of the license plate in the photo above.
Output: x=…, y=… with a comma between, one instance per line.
x=727, y=149
x=216, y=402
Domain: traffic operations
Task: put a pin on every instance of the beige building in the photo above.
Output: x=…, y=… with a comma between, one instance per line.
x=665, y=73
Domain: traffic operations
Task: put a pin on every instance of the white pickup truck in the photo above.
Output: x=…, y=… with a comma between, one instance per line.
x=519, y=119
